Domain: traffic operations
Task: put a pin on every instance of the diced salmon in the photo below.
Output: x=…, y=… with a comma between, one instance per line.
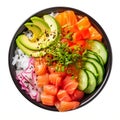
x=55, y=79
x=77, y=95
x=70, y=85
x=40, y=66
x=50, y=89
x=62, y=95
x=47, y=99
x=84, y=23
x=42, y=80
x=66, y=18
x=65, y=106
x=94, y=34
x=72, y=17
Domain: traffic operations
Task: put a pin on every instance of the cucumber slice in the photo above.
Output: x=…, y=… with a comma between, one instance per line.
x=100, y=70
x=101, y=60
x=91, y=54
x=99, y=48
x=91, y=82
x=90, y=66
x=83, y=80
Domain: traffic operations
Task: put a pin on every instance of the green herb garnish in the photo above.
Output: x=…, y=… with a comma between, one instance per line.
x=63, y=55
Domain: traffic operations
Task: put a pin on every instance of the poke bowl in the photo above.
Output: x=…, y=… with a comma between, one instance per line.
x=60, y=59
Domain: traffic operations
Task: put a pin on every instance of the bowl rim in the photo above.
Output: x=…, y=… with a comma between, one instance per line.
x=108, y=64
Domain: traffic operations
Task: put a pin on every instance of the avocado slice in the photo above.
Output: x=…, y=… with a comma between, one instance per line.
x=23, y=39
x=28, y=51
x=41, y=24
x=45, y=39
x=35, y=30
x=54, y=26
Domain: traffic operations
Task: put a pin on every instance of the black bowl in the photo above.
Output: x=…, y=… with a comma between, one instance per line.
x=108, y=65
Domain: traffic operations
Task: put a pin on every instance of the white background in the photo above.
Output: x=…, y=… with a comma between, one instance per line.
x=14, y=106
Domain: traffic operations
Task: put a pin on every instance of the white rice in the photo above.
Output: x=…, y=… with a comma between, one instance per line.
x=28, y=33
x=20, y=60
x=53, y=14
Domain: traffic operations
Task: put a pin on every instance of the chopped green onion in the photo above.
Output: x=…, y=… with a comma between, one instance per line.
x=62, y=55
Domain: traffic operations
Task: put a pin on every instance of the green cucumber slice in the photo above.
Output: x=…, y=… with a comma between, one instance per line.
x=90, y=66
x=91, y=54
x=99, y=48
x=91, y=82
x=101, y=60
x=99, y=68
x=82, y=80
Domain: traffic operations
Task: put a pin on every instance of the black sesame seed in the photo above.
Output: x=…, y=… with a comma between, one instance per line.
x=51, y=34
x=37, y=39
x=47, y=35
x=45, y=31
x=54, y=32
x=54, y=36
